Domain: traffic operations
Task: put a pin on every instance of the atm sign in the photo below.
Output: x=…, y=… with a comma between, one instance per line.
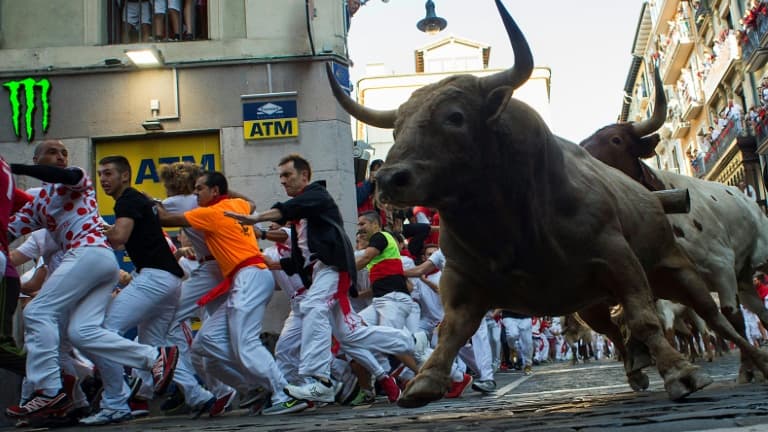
x=263, y=120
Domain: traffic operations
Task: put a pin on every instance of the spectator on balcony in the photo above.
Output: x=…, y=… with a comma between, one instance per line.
x=747, y=190
x=705, y=141
x=734, y=113
x=171, y=31
x=751, y=118
x=763, y=90
x=714, y=133
x=136, y=18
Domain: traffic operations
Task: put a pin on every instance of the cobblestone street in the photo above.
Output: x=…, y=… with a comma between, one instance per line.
x=557, y=397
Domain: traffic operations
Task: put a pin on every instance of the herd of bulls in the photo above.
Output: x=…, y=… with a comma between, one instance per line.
x=541, y=226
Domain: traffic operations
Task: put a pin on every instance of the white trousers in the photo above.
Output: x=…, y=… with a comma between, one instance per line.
x=395, y=309
x=200, y=281
x=540, y=348
x=519, y=331
x=230, y=339
x=477, y=355
x=147, y=303
x=323, y=316
x=494, y=337
x=78, y=290
x=288, y=346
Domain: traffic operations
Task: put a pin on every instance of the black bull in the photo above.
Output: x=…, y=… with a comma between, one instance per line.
x=529, y=221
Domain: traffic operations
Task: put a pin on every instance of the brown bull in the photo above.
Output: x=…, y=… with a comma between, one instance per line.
x=724, y=234
x=567, y=232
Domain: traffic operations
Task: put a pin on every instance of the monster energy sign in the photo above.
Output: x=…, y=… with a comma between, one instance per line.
x=29, y=87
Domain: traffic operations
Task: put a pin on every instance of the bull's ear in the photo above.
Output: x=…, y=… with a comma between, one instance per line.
x=645, y=147
x=496, y=101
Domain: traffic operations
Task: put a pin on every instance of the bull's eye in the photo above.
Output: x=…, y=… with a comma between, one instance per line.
x=455, y=119
x=616, y=140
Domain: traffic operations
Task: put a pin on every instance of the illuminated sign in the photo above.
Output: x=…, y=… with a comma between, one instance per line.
x=146, y=156
x=263, y=120
x=29, y=87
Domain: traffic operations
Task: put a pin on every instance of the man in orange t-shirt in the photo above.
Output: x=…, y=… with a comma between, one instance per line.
x=228, y=340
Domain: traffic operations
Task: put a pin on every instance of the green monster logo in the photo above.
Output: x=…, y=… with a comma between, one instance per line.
x=29, y=85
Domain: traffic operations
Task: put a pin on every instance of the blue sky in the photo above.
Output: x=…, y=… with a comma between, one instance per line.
x=586, y=43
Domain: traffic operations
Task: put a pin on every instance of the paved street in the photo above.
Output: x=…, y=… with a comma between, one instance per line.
x=557, y=397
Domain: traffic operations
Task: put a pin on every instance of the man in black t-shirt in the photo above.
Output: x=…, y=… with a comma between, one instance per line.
x=149, y=301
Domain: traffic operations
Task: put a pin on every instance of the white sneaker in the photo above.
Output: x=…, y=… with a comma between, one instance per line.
x=107, y=416
x=421, y=349
x=312, y=390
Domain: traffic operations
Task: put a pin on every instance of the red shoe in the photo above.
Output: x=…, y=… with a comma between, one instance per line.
x=68, y=384
x=139, y=407
x=221, y=404
x=42, y=406
x=458, y=387
x=165, y=364
x=390, y=387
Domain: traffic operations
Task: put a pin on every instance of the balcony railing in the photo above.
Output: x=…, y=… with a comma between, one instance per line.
x=727, y=53
x=761, y=129
x=752, y=40
x=153, y=21
x=704, y=163
x=676, y=53
x=702, y=14
x=680, y=127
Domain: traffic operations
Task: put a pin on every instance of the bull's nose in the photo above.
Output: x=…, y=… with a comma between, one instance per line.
x=397, y=178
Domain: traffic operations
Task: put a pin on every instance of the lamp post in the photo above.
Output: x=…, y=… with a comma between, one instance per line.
x=431, y=24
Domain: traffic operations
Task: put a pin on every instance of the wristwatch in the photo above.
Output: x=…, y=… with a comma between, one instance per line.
x=263, y=234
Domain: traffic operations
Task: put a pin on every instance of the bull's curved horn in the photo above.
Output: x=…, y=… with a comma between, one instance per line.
x=659, y=116
x=519, y=73
x=380, y=119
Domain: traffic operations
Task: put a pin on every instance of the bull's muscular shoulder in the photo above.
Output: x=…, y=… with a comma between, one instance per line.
x=722, y=221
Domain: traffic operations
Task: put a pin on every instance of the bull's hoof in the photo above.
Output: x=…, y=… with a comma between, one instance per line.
x=746, y=374
x=638, y=380
x=681, y=384
x=638, y=356
x=426, y=387
x=759, y=377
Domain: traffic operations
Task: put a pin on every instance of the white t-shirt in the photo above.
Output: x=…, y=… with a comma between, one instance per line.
x=438, y=259
x=183, y=204
x=40, y=244
x=69, y=212
x=429, y=301
x=289, y=284
x=188, y=265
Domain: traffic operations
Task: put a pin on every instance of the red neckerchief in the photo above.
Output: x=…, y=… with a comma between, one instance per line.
x=217, y=200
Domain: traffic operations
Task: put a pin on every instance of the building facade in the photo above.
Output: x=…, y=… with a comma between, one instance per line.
x=239, y=84
x=712, y=59
x=382, y=89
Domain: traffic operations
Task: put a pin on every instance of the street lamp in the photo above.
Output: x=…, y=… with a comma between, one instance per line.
x=431, y=24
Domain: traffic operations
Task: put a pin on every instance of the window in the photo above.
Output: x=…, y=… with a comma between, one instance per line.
x=131, y=21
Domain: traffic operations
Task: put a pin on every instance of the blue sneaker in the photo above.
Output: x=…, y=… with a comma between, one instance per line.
x=107, y=416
